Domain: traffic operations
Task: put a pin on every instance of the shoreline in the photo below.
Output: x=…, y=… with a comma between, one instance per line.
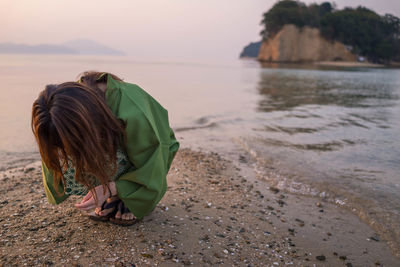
x=335, y=64
x=215, y=212
x=348, y=64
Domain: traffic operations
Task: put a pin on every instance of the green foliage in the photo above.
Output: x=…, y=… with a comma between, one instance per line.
x=376, y=37
x=283, y=12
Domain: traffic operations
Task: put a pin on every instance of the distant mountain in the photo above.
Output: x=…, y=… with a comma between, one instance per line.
x=251, y=50
x=89, y=47
x=12, y=48
x=80, y=46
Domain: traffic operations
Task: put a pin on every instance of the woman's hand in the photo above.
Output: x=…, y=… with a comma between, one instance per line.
x=88, y=202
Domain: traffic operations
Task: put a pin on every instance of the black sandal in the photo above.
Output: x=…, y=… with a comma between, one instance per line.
x=123, y=209
x=111, y=202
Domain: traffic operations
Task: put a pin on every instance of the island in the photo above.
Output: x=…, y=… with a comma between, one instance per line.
x=296, y=33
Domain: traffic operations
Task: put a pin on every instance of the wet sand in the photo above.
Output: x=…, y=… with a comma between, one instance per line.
x=215, y=212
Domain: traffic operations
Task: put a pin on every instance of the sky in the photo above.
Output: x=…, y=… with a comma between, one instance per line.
x=150, y=29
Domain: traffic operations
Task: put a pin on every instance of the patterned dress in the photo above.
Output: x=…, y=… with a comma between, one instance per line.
x=72, y=187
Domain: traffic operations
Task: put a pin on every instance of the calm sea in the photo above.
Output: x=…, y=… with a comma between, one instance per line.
x=328, y=133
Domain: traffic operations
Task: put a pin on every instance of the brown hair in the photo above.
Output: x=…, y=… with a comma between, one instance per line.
x=94, y=78
x=72, y=122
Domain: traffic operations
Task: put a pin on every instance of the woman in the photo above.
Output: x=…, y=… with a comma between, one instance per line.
x=105, y=137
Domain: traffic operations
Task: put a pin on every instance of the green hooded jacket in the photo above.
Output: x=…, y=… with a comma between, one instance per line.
x=150, y=144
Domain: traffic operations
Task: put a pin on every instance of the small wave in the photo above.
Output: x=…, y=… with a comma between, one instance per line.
x=202, y=120
x=326, y=146
x=189, y=128
x=292, y=130
x=209, y=122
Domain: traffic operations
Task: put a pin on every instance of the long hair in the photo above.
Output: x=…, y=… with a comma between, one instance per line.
x=72, y=122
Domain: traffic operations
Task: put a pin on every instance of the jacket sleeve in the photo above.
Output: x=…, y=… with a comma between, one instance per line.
x=54, y=196
x=150, y=145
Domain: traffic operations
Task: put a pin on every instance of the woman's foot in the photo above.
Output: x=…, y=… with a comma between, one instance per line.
x=107, y=210
x=123, y=216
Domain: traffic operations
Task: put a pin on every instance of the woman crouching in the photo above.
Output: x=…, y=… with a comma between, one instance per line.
x=107, y=140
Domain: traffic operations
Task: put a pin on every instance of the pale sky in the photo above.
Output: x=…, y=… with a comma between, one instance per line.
x=150, y=29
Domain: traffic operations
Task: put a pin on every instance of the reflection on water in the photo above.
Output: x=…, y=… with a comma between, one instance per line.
x=337, y=132
x=339, y=109
x=284, y=91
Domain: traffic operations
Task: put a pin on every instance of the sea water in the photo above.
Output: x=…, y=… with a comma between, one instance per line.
x=330, y=133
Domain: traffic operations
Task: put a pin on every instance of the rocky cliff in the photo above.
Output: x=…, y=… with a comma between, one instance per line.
x=293, y=44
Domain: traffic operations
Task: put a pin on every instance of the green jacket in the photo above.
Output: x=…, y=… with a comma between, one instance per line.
x=150, y=145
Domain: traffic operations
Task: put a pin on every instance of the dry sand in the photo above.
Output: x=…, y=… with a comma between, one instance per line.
x=214, y=213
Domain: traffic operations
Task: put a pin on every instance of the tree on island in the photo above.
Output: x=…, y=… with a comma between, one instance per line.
x=369, y=34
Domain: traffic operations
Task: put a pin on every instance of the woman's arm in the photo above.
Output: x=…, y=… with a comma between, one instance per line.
x=55, y=195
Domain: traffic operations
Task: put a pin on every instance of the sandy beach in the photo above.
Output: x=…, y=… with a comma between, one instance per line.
x=215, y=212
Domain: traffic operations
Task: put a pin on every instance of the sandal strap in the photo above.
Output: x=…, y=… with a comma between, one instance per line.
x=110, y=203
x=109, y=190
x=124, y=208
